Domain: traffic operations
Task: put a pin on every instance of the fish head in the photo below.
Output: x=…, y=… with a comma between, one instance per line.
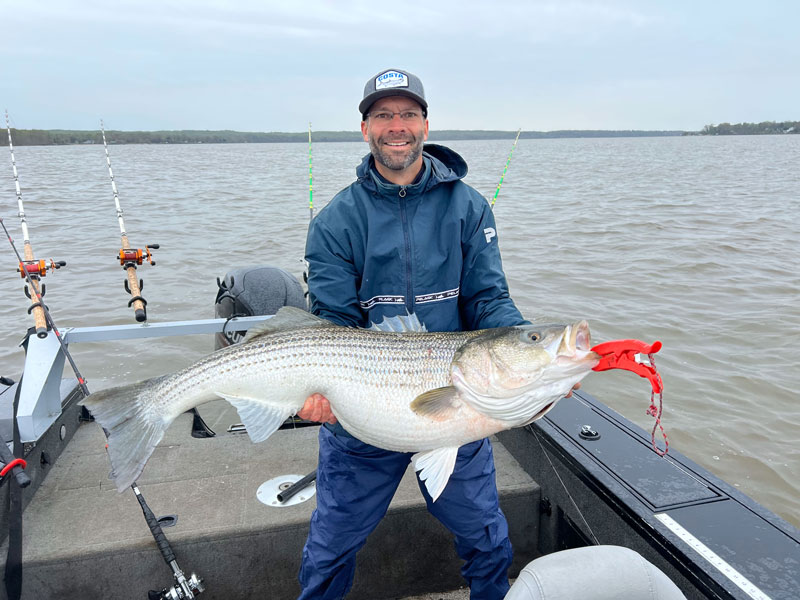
x=517, y=373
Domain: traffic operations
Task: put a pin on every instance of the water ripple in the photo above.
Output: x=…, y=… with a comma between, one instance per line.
x=692, y=241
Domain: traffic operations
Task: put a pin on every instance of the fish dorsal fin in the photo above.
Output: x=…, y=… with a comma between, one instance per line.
x=287, y=318
x=259, y=418
x=437, y=404
x=400, y=324
x=435, y=468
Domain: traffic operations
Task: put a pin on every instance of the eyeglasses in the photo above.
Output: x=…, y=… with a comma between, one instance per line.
x=385, y=116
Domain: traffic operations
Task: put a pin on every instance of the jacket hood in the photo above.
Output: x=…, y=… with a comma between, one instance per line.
x=446, y=165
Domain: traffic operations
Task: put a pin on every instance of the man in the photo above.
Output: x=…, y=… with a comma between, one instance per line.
x=407, y=237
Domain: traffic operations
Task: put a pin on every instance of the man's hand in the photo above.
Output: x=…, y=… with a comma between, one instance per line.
x=577, y=386
x=317, y=409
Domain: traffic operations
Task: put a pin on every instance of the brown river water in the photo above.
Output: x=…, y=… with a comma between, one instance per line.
x=692, y=241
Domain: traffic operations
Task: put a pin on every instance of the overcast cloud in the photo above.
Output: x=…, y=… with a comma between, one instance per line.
x=275, y=66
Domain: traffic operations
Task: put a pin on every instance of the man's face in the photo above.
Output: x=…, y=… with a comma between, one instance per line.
x=395, y=140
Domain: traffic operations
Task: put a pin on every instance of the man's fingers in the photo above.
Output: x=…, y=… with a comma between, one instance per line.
x=321, y=410
x=317, y=408
x=309, y=407
x=326, y=415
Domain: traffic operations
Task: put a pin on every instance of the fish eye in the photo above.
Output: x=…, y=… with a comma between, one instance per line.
x=534, y=336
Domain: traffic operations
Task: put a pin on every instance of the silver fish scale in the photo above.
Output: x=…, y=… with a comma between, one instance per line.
x=370, y=378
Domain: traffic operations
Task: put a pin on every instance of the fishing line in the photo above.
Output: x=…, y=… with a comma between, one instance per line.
x=183, y=588
x=505, y=169
x=310, y=178
x=129, y=257
x=30, y=269
x=49, y=319
x=532, y=429
x=310, y=206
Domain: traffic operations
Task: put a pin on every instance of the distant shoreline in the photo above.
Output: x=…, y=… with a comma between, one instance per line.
x=51, y=137
x=48, y=137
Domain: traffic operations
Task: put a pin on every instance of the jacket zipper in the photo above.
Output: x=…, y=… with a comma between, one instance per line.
x=407, y=240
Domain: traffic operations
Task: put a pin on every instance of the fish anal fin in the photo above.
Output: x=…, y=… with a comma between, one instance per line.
x=435, y=468
x=438, y=404
x=259, y=418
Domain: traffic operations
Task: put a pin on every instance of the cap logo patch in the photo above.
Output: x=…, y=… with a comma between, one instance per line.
x=390, y=79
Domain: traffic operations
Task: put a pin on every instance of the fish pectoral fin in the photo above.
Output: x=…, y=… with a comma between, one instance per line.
x=435, y=468
x=259, y=418
x=437, y=404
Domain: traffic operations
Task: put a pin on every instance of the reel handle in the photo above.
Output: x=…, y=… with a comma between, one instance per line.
x=132, y=283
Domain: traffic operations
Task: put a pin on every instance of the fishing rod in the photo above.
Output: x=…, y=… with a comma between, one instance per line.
x=310, y=203
x=129, y=257
x=310, y=178
x=30, y=268
x=508, y=162
x=183, y=588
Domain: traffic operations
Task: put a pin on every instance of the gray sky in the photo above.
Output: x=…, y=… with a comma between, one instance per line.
x=275, y=66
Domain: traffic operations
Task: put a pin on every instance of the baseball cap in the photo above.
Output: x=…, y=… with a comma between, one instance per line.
x=392, y=82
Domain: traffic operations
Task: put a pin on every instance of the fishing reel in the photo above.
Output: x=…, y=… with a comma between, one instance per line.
x=129, y=258
x=38, y=268
x=182, y=590
x=136, y=256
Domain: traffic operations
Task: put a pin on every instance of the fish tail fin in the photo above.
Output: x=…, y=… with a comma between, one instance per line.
x=133, y=431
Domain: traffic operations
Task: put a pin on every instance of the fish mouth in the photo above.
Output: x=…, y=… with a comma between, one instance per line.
x=576, y=343
x=582, y=336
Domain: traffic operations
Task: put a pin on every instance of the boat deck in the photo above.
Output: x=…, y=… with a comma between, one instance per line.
x=82, y=539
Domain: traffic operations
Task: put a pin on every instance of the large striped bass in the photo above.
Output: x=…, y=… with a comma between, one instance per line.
x=395, y=386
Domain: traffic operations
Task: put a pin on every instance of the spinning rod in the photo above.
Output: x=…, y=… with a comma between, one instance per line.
x=508, y=162
x=30, y=268
x=129, y=257
x=310, y=178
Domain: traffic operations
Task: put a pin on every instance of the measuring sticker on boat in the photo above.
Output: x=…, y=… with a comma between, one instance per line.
x=391, y=79
x=747, y=586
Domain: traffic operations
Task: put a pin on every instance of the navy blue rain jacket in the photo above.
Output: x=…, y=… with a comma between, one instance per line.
x=430, y=248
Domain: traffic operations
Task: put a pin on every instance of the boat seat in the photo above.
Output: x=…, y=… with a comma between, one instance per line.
x=596, y=572
x=256, y=290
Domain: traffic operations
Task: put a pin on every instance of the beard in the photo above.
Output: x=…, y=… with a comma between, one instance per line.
x=394, y=161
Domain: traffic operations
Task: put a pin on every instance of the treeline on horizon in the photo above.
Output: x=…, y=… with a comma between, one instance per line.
x=46, y=137
x=763, y=128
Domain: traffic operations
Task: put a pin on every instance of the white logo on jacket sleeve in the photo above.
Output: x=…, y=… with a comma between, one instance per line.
x=489, y=232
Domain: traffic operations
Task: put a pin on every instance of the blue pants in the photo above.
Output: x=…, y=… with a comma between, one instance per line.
x=356, y=482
